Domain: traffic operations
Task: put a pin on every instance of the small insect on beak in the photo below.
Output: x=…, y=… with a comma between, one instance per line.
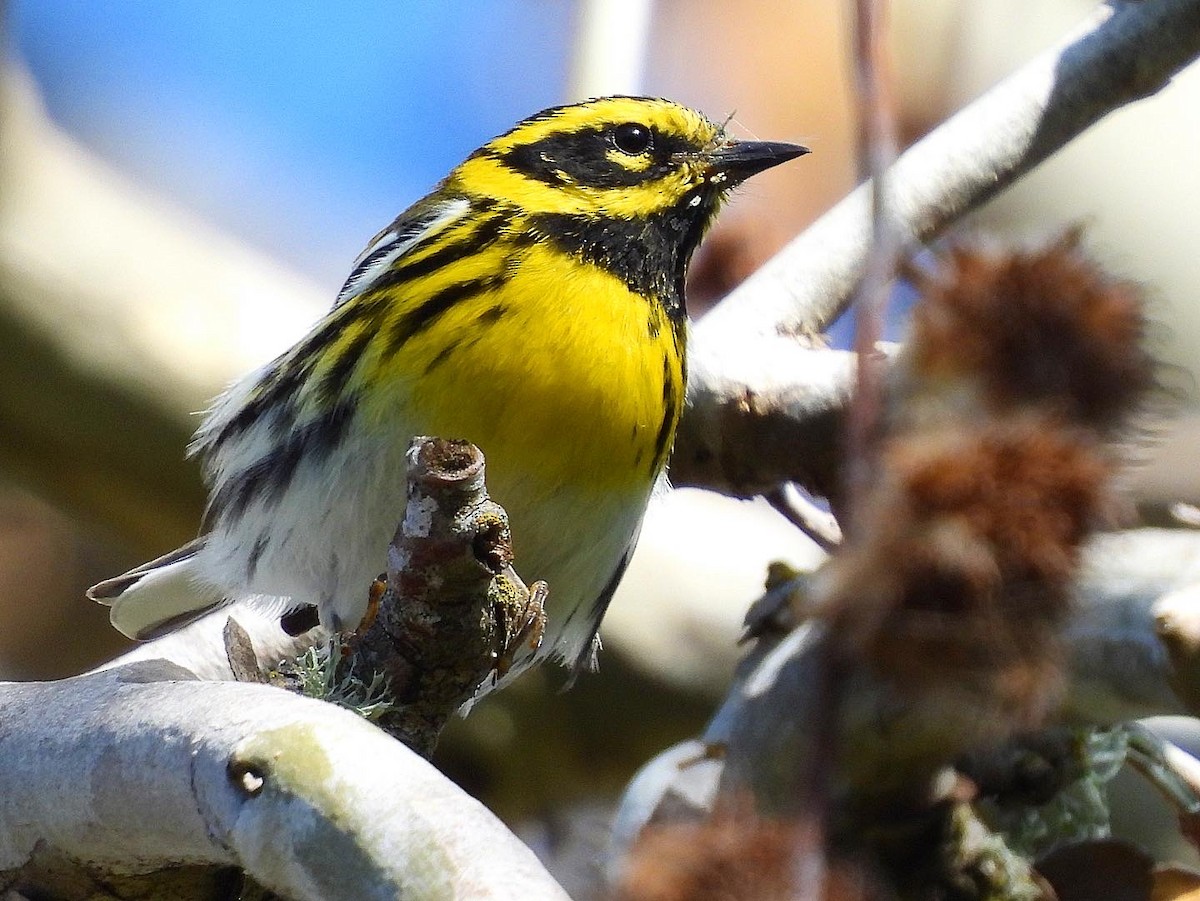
x=733, y=163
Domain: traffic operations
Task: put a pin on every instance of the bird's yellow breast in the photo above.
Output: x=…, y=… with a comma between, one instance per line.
x=558, y=371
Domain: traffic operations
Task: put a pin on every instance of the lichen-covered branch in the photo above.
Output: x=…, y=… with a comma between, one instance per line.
x=165, y=770
x=453, y=611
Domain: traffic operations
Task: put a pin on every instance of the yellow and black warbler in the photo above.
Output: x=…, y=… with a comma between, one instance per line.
x=532, y=304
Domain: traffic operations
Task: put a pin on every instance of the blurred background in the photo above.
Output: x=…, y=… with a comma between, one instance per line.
x=184, y=186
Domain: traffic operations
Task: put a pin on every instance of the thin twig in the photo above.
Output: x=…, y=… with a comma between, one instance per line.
x=818, y=524
x=877, y=146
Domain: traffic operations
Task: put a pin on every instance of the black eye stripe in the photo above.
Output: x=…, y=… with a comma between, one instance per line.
x=582, y=157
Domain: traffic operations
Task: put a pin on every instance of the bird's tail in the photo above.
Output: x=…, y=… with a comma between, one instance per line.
x=159, y=596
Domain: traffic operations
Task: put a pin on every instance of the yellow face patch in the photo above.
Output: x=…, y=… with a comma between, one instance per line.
x=485, y=177
x=639, y=163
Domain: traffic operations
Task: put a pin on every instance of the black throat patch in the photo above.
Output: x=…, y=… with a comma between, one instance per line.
x=649, y=254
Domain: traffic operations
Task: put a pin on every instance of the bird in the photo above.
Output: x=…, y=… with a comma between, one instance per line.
x=533, y=304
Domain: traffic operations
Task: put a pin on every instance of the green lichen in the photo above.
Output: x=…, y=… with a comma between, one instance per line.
x=314, y=674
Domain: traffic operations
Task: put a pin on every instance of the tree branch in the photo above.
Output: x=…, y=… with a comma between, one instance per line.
x=760, y=381
x=140, y=769
x=1129, y=50
x=453, y=611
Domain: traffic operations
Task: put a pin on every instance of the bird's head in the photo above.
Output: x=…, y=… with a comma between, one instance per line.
x=629, y=182
x=618, y=156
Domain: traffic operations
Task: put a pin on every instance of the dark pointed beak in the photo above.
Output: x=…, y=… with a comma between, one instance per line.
x=741, y=159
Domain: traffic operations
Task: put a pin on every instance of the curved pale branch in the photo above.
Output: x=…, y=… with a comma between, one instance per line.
x=309, y=799
x=744, y=400
x=1128, y=51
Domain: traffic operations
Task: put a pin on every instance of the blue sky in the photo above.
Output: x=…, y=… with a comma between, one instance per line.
x=302, y=128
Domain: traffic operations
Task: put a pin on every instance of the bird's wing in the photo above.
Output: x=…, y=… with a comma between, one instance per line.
x=244, y=422
x=409, y=229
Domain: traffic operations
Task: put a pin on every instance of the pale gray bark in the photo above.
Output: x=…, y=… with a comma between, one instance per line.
x=142, y=768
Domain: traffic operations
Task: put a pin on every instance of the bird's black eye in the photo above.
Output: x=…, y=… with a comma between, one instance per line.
x=632, y=138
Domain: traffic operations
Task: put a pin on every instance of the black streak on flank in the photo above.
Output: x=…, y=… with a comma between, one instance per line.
x=268, y=478
x=334, y=379
x=426, y=313
x=280, y=385
x=276, y=394
x=641, y=448
x=679, y=340
x=490, y=316
x=442, y=356
x=256, y=552
x=662, y=441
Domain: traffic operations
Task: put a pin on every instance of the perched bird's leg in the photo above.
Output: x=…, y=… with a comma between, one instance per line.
x=450, y=610
x=526, y=629
x=374, y=596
